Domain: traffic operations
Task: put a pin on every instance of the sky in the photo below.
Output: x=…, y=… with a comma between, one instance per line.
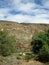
x=25, y=11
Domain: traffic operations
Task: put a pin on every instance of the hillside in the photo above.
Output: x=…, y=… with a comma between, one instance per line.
x=23, y=32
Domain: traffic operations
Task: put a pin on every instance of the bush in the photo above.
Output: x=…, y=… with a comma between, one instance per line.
x=40, y=45
x=6, y=43
x=37, y=42
x=44, y=53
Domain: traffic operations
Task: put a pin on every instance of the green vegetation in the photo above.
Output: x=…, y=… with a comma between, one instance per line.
x=40, y=46
x=44, y=53
x=28, y=56
x=6, y=44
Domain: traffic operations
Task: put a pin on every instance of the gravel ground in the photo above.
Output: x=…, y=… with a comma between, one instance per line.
x=12, y=60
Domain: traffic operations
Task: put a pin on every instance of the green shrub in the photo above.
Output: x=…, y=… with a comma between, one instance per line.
x=44, y=53
x=40, y=45
x=37, y=42
x=6, y=43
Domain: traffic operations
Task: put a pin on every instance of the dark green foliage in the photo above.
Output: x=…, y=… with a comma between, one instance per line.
x=37, y=45
x=38, y=41
x=6, y=43
x=44, y=53
x=40, y=45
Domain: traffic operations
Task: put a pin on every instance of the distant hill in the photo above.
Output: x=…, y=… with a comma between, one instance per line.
x=23, y=32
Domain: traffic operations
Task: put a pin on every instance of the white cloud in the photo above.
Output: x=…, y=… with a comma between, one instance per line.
x=28, y=19
x=45, y=3
x=19, y=18
x=3, y=13
x=27, y=7
x=30, y=8
x=24, y=7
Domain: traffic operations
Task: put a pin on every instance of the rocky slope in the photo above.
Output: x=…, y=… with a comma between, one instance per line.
x=23, y=32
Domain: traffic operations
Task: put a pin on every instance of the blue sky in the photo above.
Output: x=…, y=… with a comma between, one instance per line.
x=28, y=11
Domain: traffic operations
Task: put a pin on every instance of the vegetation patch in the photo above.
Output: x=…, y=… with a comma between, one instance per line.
x=40, y=46
x=6, y=44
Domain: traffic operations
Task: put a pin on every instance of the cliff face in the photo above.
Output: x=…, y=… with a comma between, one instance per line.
x=23, y=32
